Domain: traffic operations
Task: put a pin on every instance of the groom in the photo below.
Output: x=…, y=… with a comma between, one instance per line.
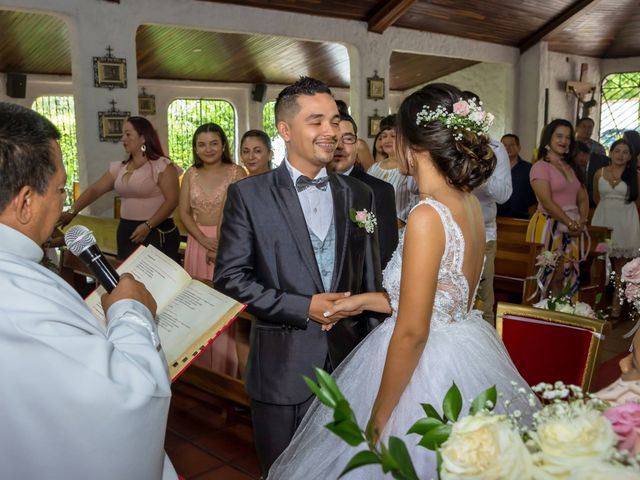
x=288, y=249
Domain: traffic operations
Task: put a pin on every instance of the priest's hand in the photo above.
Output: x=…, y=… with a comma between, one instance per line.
x=129, y=288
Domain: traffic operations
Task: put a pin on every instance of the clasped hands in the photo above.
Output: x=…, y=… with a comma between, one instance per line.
x=329, y=308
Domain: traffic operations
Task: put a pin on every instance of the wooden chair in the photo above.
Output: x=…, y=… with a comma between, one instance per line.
x=548, y=346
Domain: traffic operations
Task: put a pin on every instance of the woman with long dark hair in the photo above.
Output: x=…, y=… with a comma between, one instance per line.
x=563, y=209
x=204, y=189
x=147, y=182
x=615, y=191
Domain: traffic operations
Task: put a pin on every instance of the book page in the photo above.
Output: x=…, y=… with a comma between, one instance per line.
x=163, y=277
x=195, y=317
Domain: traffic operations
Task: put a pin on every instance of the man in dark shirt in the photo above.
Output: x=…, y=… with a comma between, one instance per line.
x=522, y=197
x=589, y=163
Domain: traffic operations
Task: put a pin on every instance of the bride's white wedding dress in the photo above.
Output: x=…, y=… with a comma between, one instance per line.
x=462, y=348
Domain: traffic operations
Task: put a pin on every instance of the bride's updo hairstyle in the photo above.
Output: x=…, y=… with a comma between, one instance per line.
x=458, y=142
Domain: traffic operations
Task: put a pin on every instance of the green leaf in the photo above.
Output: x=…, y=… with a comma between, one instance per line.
x=423, y=425
x=598, y=298
x=480, y=402
x=322, y=394
x=327, y=382
x=388, y=462
x=360, y=459
x=452, y=403
x=349, y=431
x=352, y=214
x=431, y=411
x=399, y=452
x=435, y=437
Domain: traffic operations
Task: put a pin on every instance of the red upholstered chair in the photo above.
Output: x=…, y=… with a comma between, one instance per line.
x=548, y=346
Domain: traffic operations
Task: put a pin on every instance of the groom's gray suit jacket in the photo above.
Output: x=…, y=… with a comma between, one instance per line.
x=266, y=260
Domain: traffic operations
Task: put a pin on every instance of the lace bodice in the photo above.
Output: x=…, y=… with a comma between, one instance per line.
x=452, y=293
x=206, y=202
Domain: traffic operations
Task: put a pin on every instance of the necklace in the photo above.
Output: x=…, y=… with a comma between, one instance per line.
x=614, y=180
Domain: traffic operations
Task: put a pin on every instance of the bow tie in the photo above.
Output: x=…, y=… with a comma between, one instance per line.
x=303, y=182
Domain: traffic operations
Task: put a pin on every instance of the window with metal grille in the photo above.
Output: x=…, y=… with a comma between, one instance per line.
x=59, y=110
x=185, y=115
x=620, y=109
x=269, y=126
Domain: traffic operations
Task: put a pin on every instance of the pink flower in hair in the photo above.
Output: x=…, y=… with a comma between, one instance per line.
x=461, y=108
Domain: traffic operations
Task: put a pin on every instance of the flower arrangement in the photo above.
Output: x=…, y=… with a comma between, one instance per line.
x=630, y=276
x=466, y=115
x=564, y=304
x=363, y=219
x=573, y=435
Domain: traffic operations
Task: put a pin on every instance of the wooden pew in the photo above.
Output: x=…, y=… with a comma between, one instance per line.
x=515, y=265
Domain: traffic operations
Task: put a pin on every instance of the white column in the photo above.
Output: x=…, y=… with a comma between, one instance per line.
x=89, y=37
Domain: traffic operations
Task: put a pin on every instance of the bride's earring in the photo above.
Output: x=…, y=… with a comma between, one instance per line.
x=143, y=148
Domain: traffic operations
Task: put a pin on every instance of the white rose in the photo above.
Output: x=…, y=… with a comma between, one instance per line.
x=542, y=304
x=571, y=438
x=584, y=310
x=485, y=446
x=564, y=308
x=603, y=471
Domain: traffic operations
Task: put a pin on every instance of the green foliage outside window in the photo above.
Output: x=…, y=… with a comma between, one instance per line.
x=186, y=115
x=59, y=110
x=269, y=120
x=620, y=86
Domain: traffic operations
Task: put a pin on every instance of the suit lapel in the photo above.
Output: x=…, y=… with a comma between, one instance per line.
x=341, y=205
x=287, y=199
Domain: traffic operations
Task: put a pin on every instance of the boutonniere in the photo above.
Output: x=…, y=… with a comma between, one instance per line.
x=363, y=219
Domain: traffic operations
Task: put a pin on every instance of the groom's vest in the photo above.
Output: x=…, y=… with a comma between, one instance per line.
x=325, y=253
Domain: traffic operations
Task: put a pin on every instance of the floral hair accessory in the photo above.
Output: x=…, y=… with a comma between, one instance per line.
x=363, y=219
x=466, y=115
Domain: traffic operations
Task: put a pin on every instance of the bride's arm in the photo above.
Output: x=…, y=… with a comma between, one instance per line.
x=372, y=302
x=417, y=293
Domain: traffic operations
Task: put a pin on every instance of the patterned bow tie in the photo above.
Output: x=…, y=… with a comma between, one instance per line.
x=303, y=182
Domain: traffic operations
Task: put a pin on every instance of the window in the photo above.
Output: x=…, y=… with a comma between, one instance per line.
x=620, y=106
x=186, y=115
x=59, y=110
x=269, y=126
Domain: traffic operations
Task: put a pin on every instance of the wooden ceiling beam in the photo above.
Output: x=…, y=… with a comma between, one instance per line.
x=555, y=23
x=387, y=13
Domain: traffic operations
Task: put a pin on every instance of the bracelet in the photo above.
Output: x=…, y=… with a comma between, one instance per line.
x=148, y=225
x=71, y=211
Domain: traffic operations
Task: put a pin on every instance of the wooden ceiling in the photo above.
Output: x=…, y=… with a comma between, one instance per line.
x=39, y=43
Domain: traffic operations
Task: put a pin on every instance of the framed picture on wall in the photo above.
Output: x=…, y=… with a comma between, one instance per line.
x=110, y=125
x=147, y=104
x=375, y=87
x=109, y=72
x=373, y=124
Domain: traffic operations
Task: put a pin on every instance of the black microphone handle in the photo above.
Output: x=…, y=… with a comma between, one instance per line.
x=94, y=259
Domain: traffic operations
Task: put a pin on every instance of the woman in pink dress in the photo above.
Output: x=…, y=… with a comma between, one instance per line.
x=202, y=195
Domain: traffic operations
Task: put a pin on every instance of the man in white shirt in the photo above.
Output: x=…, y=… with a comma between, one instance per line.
x=497, y=189
x=77, y=402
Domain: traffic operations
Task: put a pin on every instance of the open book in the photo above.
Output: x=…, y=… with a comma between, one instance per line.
x=190, y=315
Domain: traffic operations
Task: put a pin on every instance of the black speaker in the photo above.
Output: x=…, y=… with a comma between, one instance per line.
x=16, y=85
x=258, y=92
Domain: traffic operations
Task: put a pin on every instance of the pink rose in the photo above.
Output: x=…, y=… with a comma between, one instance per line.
x=625, y=420
x=631, y=271
x=361, y=216
x=461, y=108
x=602, y=247
x=631, y=291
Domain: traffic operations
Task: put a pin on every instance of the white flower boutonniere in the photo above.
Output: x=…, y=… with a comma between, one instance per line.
x=363, y=219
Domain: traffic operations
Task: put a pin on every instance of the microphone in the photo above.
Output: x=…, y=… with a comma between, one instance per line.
x=82, y=244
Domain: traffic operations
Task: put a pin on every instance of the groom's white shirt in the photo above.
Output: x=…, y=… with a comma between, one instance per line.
x=317, y=205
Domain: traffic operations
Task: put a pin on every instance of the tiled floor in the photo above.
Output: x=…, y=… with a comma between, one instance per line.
x=207, y=438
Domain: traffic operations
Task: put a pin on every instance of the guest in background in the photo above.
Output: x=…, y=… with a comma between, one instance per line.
x=147, y=182
x=616, y=195
x=364, y=158
x=343, y=162
x=202, y=195
x=522, y=197
x=256, y=152
x=78, y=401
x=633, y=138
x=497, y=189
x=589, y=163
x=388, y=169
x=584, y=130
x=563, y=207
x=377, y=152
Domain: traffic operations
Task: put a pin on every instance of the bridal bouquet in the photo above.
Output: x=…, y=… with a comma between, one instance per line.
x=572, y=436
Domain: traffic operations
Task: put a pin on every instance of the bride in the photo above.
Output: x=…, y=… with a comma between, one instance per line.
x=432, y=337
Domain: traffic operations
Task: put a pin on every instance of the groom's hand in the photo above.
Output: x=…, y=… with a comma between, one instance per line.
x=322, y=303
